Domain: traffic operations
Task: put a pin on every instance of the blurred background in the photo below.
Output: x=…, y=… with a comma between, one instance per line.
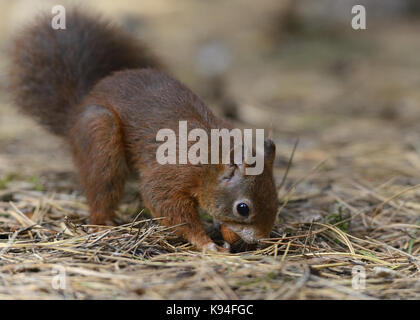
x=351, y=96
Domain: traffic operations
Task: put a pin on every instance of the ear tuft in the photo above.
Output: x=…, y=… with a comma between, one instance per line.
x=269, y=150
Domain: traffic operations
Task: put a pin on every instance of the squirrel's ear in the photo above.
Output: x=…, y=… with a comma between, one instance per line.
x=269, y=150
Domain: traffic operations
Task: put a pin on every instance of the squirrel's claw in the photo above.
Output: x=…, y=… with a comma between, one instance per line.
x=211, y=246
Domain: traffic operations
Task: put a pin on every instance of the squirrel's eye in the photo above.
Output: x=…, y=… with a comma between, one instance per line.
x=243, y=209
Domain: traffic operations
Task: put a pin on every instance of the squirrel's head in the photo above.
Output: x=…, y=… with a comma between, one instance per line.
x=247, y=204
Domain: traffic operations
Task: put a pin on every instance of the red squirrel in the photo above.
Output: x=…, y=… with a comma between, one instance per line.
x=107, y=95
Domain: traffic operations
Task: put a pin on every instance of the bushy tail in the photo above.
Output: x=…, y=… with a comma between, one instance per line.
x=52, y=70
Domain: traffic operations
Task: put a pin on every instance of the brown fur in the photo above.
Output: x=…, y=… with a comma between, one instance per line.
x=67, y=80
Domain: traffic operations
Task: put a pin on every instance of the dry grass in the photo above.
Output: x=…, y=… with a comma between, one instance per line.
x=373, y=229
x=351, y=200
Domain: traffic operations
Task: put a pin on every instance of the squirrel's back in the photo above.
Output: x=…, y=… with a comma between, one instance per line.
x=52, y=70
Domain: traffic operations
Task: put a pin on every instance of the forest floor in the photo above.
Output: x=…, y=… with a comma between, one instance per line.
x=349, y=222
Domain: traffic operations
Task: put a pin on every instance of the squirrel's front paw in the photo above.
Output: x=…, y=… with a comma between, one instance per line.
x=211, y=246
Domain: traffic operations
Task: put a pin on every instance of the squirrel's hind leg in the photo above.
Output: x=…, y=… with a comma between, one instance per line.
x=98, y=152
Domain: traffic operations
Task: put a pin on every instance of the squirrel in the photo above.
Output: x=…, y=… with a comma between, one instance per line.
x=108, y=95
